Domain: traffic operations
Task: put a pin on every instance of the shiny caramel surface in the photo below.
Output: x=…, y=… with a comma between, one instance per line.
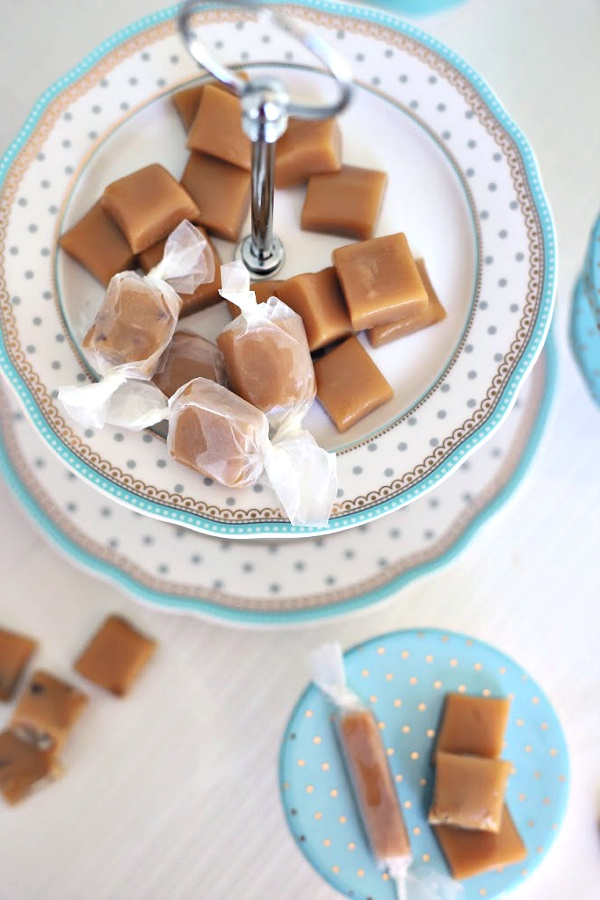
x=221, y=192
x=349, y=384
x=98, y=245
x=217, y=128
x=469, y=791
x=470, y=853
x=115, y=656
x=474, y=725
x=307, y=148
x=188, y=356
x=318, y=300
x=347, y=202
x=433, y=313
x=380, y=281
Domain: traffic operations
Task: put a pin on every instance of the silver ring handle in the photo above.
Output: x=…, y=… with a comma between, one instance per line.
x=337, y=66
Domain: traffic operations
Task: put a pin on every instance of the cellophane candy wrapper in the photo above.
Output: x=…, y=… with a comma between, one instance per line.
x=374, y=790
x=220, y=435
x=136, y=322
x=267, y=358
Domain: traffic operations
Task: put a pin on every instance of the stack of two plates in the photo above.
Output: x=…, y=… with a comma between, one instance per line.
x=464, y=187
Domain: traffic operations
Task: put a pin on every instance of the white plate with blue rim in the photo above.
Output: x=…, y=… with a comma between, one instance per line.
x=403, y=677
x=463, y=185
x=276, y=582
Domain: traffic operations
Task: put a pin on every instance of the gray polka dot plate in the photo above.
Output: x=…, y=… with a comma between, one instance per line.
x=275, y=582
x=463, y=185
x=403, y=677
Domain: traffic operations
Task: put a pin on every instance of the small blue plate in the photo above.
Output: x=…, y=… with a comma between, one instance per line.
x=404, y=677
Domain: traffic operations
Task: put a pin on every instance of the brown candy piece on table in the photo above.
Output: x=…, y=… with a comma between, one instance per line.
x=380, y=281
x=115, y=656
x=98, y=245
x=15, y=652
x=187, y=101
x=345, y=202
x=217, y=434
x=318, y=300
x=205, y=295
x=221, y=192
x=469, y=792
x=349, y=384
x=375, y=791
x=474, y=725
x=307, y=148
x=188, y=356
x=263, y=290
x=217, y=128
x=434, y=312
x=268, y=363
x=147, y=205
x=470, y=853
x=48, y=710
x=23, y=766
x=132, y=324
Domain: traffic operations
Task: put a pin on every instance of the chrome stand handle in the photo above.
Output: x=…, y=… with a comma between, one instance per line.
x=266, y=107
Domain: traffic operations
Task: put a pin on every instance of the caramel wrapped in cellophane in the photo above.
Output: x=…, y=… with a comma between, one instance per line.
x=365, y=759
x=136, y=322
x=266, y=353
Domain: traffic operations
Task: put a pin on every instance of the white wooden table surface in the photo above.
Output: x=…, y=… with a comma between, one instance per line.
x=174, y=793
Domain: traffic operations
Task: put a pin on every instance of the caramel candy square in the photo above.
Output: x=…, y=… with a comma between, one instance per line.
x=307, y=148
x=345, y=202
x=469, y=792
x=187, y=101
x=434, y=312
x=23, y=766
x=115, y=656
x=221, y=192
x=98, y=245
x=48, y=710
x=474, y=725
x=188, y=356
x=205, y=295
x=380, y=281
x=375, y=791
x=470, y=853
x=147, y=205
x=15, y=652
x=217, y=128
x=263, y=290
x=349, y=384
x=318, y=300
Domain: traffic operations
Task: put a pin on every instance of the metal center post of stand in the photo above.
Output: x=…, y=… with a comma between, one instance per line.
x=266, y=108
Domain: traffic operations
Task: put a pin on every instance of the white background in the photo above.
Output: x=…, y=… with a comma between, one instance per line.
x=173, y=793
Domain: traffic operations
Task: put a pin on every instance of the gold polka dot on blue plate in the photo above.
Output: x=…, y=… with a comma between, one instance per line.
x=403, y=677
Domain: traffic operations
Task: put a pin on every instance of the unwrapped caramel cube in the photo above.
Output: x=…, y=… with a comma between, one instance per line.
x=187, y=101
x=349, y=384
x=380, y=281
x=307, y=148
x=470, y=853
x=15, y=652
x=115, y=656
x=98, y=245
x=23, y=766
x=474, y=725
x=263, y=290
x=434, y=312
x=345, y=202
x=188, y=356
x=217, y=128
x=221, y=192
x=47, y=711
x=147, y=205
x=318, y=300
x=469, y=791
x=205, y=295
